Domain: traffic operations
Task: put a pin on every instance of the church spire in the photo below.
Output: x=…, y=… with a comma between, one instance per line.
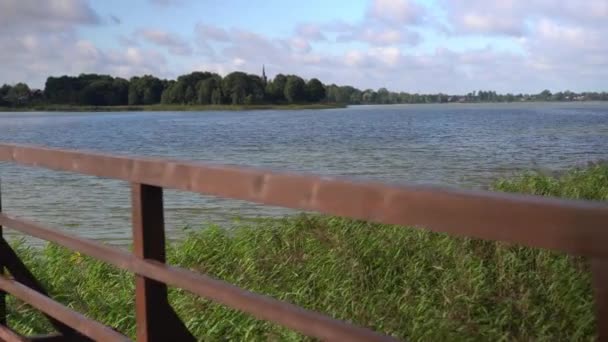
x=264, y=73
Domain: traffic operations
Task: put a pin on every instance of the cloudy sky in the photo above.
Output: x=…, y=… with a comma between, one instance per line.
x=453, y=46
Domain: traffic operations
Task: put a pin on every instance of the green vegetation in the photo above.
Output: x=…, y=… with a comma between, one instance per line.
x=237, y=88
x=405, y=282
x=589, y=183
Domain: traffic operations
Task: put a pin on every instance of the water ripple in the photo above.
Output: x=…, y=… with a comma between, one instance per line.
x=456, y=145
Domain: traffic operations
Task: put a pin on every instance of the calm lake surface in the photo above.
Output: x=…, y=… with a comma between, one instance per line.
x=454, y=145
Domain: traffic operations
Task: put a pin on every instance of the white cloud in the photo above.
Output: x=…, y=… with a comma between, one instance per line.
x=390, y=56
x=300, y=44
x=354, y=58
x=375, y=58
x=48, y=15
x=310, y=31
x=568, y=50
x=396, y=12
x=40, y=39
x=482, y=23
x=175, y=44
x=555, y=54
x=211, y=33
x=35, y=57
x=573, y=36
x=536, y=44
x=126, y=40
x=380, y=36
x=512, y=17
x=385, y=37
x=166, y=3
x=238, y=62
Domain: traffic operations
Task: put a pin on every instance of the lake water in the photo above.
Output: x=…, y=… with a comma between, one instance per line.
x=454, y=145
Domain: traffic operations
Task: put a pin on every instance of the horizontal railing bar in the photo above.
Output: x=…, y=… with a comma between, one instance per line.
x=307, y=322
x=79, y=322
x=576, y=227
x=8, y=335
x=55, y=337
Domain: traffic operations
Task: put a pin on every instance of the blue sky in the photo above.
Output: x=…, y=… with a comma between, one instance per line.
x=453, y=46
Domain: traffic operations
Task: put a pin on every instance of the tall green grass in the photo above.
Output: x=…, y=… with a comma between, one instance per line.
x=404, y=282
x=587, y=183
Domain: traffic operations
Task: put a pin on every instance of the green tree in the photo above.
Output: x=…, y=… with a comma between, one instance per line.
x=174, y=93
x=295, y=89
x=369, y=96
x=5, y=89
x=545, y=95
x=134, y=97
x=149, y=97
x=3, y=92
x=104, y=91
x=255, y=88
x=18, y=94
x=190, y=95
x=344, y=93
x=193, y=78
x=185, y=89
x=62, y=90
x=355, y=97
x=235, y=86
x=382, y=96
x=559, y=96
x=145, y=90
x=206, y=89
x=95, y=93
x=249, y=99
x=275, y=90
x=120, y=92
x=393, y=97
x=216, y=96
x=315, y=90
x=405, y=98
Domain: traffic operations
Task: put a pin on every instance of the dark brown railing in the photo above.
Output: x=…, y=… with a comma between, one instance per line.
x=574, y=227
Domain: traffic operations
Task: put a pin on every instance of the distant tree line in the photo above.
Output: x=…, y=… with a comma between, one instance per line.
x=237, y=88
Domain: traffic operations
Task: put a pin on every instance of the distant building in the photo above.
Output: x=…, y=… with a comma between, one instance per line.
x=264, y=78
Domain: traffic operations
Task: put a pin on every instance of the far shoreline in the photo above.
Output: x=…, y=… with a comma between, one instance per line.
x=236, y=108
x=177, y=108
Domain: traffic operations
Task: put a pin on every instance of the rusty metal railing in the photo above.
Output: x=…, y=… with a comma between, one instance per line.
x=574, y=227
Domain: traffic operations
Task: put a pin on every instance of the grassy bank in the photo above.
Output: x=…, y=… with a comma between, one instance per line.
x=404, y=282
x=167, y=108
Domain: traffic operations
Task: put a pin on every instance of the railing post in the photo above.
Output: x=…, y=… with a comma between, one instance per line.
x=156, y=320
x=2, y=271
x=599, y=272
